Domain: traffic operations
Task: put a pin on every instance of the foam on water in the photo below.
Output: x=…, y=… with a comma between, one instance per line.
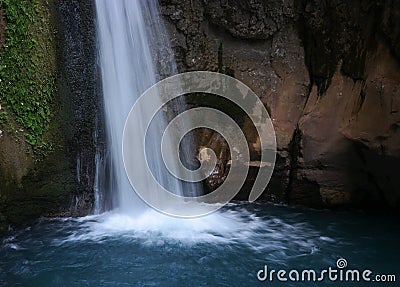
x=221, y=227
x=224, y=249
x=234, y=226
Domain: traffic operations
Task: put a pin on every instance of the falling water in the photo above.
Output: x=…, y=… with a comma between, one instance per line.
x=131, y=38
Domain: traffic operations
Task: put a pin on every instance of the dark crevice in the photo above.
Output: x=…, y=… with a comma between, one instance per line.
x=221, y=67
x=360, y=102
x=309, y=90
x=372, y=187
x=294, y=154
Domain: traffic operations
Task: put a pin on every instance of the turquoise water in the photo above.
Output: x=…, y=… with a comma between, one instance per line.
x=225, y=249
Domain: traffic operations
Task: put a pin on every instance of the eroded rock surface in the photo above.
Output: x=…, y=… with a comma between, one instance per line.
x=328, y=72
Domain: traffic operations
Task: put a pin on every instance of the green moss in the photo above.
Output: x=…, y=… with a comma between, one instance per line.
x=27, y=72
x=3, y=117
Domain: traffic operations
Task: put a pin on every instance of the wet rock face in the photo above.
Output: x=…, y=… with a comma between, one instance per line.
x=58, y=182
x=390, y=25
x=333, y=31
x=328, y=72
x=81, y=96
x=258, y=19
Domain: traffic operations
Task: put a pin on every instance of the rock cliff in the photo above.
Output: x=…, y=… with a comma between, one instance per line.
x=328, y=72
x=50, y=110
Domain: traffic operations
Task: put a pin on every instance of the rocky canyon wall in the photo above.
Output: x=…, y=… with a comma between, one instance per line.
x=328, y=72
x=50, y=110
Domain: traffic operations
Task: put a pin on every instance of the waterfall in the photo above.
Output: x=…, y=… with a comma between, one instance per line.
x=131, y=40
